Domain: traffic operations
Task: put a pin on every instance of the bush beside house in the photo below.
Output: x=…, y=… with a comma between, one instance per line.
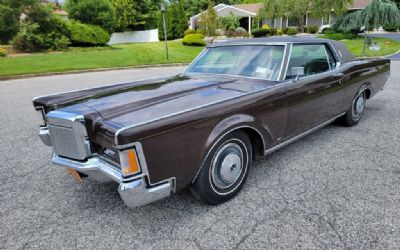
x=3, y=52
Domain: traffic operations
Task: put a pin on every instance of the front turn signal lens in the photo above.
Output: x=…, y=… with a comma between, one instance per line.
x=129, y=162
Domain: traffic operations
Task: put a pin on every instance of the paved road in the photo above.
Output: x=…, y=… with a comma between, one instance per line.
x=335, y=189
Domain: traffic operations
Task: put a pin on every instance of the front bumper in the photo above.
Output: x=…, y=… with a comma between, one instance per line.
x=134, y=192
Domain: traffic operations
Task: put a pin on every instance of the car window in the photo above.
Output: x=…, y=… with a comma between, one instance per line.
x=311, y=59
x=258, y=61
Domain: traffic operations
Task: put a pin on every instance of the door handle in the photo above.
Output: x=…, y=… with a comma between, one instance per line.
x=340, y=75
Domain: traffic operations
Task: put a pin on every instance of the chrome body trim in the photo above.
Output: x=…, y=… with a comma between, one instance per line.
x=135, y=191
x=94, y=167
x=297, y=137
x=68, y=134
x=45, y=136
x=387, y=83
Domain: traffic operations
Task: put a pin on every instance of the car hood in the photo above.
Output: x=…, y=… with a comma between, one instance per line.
x=137, y=103
x=142, y=102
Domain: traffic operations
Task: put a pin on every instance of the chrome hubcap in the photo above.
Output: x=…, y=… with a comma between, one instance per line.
x=358, y=106
x=227, y=166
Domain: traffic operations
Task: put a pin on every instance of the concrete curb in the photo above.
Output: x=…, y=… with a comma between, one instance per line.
x=24, y=76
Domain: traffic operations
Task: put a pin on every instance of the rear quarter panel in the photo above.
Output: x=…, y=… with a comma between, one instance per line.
x=371, y=74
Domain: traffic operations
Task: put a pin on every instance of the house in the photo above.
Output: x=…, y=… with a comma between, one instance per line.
x=248, y=13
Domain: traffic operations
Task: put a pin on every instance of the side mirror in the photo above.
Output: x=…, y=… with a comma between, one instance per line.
x=298, y=72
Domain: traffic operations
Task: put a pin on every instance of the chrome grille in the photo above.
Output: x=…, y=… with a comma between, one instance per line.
x=68, y=135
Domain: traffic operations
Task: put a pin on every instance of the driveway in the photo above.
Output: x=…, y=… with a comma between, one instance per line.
x=335, y=189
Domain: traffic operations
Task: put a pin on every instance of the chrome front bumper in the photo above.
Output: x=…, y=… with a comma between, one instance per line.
x=135, y=192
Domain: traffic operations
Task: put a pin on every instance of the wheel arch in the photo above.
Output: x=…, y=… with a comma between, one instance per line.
x=367, y=88
x=258, y=135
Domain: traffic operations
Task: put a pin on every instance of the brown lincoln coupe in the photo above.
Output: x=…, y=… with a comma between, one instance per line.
x=202, y=129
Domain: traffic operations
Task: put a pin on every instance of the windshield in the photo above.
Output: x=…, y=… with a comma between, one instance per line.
x=258, y=61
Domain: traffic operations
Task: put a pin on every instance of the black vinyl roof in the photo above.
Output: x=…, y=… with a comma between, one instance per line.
x=342, y=52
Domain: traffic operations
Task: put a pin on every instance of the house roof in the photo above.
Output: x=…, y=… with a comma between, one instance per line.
x=60, y=12
x=251, y=7
x=224, y=10
x=360, y=4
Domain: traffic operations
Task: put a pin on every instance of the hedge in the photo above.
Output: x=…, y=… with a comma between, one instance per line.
x=292, y=31
x=194, y=40
x=87, y=35
x=340, y=36
x=260, y=32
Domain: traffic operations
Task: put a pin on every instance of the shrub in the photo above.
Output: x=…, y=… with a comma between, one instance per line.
x=95, y=12
x=340, y=36
x=241, y=32
x=238, y=32
x=87, y=35
x=3, y=52
x=190, y=31
x=265, y=26
x=260, y=32
x=312, y=29
x=42, y=30
x=273, y=31
x=9, y=23
x=194, y=40
x=390, y=27
x=279, y=32
x=30, y=39
x=328, y=31
x=292, y=31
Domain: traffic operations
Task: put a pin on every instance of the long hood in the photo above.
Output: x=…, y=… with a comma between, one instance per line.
x=141, y=102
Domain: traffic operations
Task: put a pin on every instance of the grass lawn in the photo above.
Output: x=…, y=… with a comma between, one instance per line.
x=136, y=54
x=388, y=47
x=116, y=56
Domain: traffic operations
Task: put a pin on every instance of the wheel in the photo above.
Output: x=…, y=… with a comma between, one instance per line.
x=225, y=169
x=354, y=113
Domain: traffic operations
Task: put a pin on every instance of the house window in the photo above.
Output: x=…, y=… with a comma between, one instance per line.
x=325, y=19
x=293, y=22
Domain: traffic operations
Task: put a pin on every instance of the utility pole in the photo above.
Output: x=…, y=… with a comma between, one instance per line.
x=163, y=10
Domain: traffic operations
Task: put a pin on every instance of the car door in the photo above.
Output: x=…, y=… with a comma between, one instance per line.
x=313, y=87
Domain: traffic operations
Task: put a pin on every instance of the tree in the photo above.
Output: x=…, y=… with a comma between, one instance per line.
x=41, y=30
x=176, y=20
x=297, y=9
x=379, y=13
x=10, y=12
x=230, y=22
x=208, y=20
x=95, y=12
x=125, y=14
x=179, y=21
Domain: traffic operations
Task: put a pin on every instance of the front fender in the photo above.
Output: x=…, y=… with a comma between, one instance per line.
x=235, y=122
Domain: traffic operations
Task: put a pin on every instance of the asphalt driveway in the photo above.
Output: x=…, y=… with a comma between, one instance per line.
x=335, y=189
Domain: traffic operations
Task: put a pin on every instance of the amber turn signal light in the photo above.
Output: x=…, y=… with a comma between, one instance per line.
x=129, y=162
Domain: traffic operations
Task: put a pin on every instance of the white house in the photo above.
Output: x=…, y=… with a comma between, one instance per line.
x=248, y=12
